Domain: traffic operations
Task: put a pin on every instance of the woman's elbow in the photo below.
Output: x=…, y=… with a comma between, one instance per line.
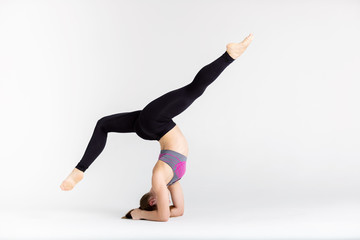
x=177, y=212
x=164, y=218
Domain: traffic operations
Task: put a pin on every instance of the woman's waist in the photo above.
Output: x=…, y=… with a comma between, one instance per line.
x=175, y=142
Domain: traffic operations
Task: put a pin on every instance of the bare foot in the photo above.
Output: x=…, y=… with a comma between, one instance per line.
x=74, y=177
x=236, y=49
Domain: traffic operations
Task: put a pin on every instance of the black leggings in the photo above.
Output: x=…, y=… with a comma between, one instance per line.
x=155, y=120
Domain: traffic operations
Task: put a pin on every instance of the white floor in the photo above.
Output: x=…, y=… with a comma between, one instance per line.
x=332, y=221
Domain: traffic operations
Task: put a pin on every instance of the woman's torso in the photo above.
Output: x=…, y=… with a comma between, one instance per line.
x=172, y=140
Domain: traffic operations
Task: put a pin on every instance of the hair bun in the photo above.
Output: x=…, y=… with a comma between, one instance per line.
x=128, y=215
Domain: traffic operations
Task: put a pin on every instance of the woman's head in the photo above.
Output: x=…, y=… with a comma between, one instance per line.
x=148, y=202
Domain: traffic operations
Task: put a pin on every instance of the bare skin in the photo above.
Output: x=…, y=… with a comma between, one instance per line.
x=235, y=50
x=172, y=140
x=74, y=177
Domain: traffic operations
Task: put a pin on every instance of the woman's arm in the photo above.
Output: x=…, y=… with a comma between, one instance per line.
x=151, y=215
x=163, y=211
x=175, y=212
x=177, y=197
x=138, y=214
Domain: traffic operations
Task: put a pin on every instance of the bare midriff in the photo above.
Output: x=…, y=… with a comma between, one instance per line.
x=174, y=140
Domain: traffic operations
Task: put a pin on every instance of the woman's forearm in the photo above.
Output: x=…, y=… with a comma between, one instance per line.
x=150, y=215
x=154, y=216
x=174, y=211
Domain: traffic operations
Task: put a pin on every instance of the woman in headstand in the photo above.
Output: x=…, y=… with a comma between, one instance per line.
x=154, y=122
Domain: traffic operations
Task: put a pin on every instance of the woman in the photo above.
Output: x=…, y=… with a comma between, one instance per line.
x=154, y=122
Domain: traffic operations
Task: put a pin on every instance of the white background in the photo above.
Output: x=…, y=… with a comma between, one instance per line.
x=273, y=142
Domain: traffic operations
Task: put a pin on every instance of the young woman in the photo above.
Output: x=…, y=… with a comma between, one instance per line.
x=154, y=122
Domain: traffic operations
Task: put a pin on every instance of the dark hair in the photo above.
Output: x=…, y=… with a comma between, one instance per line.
x=144, y=202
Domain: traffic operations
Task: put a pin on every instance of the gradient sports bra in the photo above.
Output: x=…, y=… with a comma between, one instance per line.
x=176, y=161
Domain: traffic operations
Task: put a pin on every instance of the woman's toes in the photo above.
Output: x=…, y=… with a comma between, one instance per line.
x=248, y=40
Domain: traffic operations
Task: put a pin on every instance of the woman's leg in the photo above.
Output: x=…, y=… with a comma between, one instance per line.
x=175, y=102
x=156, y=117
x=120, y=122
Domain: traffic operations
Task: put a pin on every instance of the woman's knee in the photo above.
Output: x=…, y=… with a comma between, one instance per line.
x=102, y=123
x=194, y=92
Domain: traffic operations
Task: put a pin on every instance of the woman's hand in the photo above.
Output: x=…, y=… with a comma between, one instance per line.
x=136, y=214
